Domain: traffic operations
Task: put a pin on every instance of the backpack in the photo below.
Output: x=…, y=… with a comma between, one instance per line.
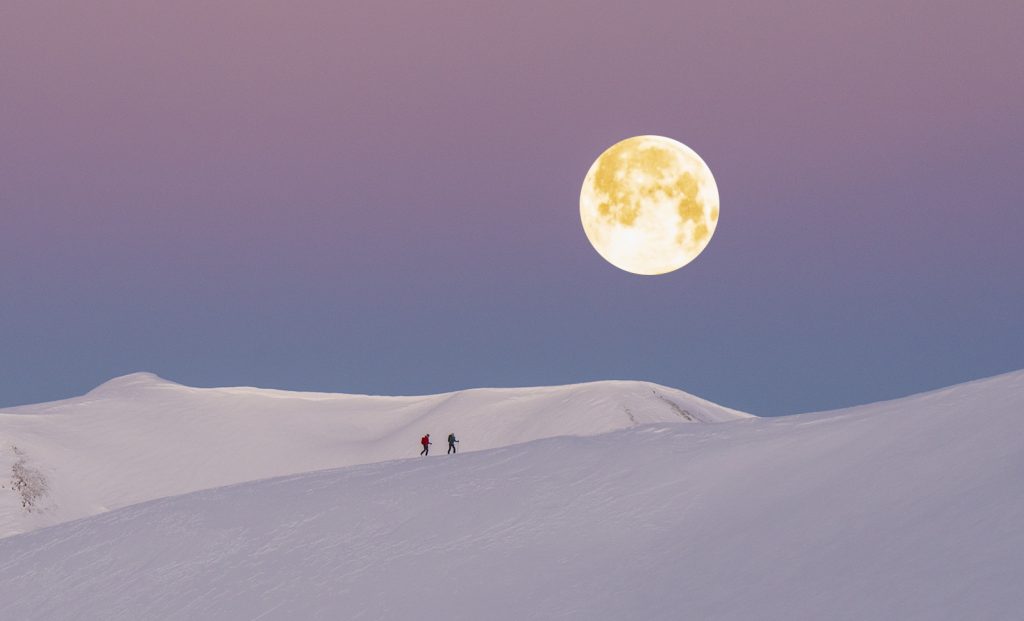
x=451, y=438
x=425, y=440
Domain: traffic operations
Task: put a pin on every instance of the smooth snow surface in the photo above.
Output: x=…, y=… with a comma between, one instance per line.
x=139, y=437
x=908, y=509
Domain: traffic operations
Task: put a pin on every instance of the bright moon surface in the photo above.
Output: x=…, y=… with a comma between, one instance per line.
x=649, y=205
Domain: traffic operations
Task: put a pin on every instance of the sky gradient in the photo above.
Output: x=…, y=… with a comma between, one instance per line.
x=384, y=199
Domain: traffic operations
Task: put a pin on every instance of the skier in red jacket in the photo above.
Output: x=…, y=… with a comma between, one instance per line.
x=425, y=441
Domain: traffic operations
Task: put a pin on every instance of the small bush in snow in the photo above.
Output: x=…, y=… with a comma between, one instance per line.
x=28, y=482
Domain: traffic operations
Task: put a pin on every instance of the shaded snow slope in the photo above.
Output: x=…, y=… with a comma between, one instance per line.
x=909, y=509
x=139, y=437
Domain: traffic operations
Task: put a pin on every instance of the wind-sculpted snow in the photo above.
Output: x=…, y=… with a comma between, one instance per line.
x=908, y=509
x=139, y=437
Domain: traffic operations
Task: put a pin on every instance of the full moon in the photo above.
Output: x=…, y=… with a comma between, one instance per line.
x=649, y=205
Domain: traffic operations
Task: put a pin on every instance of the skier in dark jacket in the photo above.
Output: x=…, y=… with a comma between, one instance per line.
x=425, y=441
x=451, y=443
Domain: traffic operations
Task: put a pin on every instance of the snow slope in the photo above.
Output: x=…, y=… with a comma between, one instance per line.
x=908, y=509
x=140, y=437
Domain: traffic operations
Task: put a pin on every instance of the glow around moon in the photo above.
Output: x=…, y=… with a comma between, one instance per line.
x=649, y=205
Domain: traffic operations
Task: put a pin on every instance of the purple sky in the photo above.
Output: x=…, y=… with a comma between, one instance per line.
x=384, y=198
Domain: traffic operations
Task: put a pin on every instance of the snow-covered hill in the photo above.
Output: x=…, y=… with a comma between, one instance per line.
x=139, y=437
x=908, y=509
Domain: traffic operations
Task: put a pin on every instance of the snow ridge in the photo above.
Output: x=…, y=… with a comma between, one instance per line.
x=140, y=437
